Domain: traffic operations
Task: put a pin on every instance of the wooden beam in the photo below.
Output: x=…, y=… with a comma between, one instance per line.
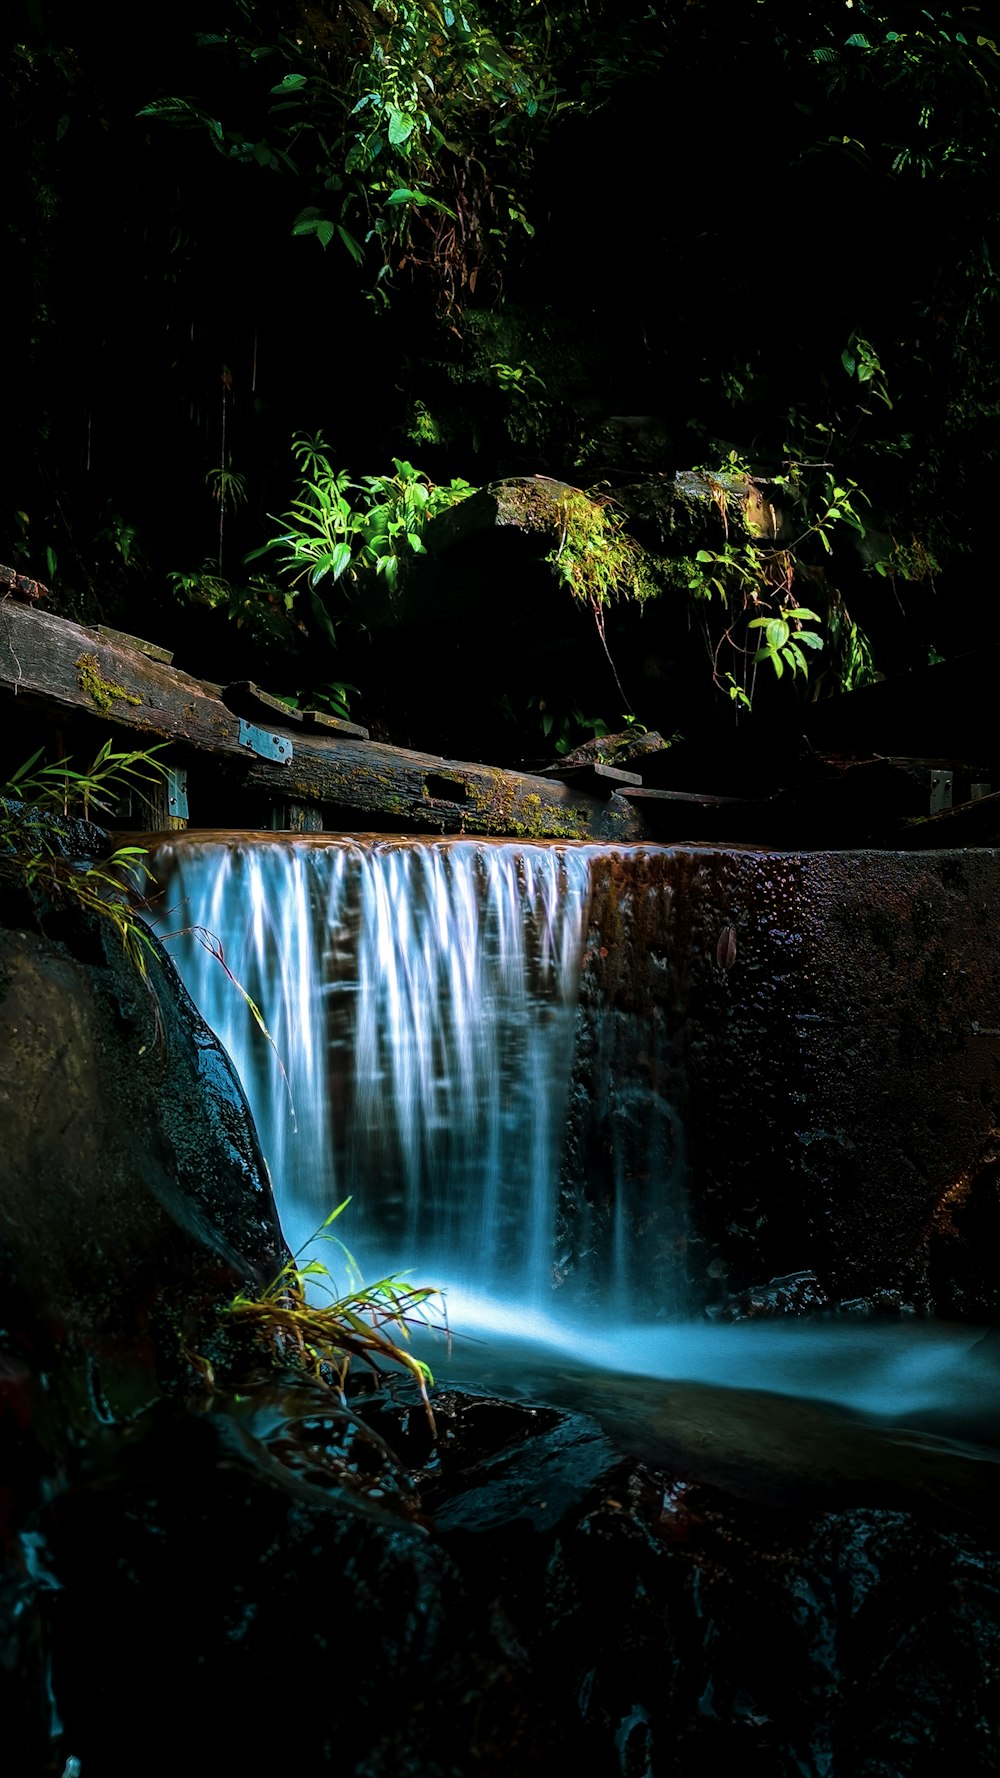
x=68, y=667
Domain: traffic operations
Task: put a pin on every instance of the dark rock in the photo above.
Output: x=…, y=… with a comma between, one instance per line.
x=740, y=1599
x=21, y=586
x=623, y=749
x=528, y=506
x=133, y=1193
x=828, y=1104
x=800, y=1293
x=233, y=1604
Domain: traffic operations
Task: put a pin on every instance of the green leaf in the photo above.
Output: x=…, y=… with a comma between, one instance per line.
x=322, y=618
x=307, y=221
x=334, y=562
x=353, y=246
x=401, y=126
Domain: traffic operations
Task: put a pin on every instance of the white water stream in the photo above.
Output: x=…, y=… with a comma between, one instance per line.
x=421, y=998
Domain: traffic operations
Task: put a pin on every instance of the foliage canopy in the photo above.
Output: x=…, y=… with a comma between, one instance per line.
x=481, y=235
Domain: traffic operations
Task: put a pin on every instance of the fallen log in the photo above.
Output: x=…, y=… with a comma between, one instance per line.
x=268, y=770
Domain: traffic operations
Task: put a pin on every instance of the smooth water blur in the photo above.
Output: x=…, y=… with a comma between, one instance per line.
x=421, y=999
x=931, y=1374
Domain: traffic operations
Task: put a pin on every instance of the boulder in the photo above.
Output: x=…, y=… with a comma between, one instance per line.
x=133, y=1192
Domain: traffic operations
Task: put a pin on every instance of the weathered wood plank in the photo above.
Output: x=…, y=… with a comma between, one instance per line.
x=71, y=667
x=247, y=699
x=594, y=775
x=78, y=669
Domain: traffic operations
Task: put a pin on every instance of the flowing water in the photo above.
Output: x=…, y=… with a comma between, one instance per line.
x=421, y=1002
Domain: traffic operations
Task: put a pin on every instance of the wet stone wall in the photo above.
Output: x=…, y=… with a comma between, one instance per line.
x=786, y=1089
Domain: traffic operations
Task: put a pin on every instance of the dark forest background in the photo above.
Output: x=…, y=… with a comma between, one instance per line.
x=608, y=243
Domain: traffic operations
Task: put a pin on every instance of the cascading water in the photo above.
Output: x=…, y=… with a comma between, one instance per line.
x=421, y=999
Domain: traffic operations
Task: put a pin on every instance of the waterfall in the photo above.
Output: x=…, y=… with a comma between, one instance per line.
x=492, y=1048
x=421, y=997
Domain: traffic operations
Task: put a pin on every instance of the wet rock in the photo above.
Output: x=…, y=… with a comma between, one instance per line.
x=133, y=1192
x=231, y=1604
x=834, y=1092
x=623, y=749
x=241, y=1595
x=826, y=1618
x=528, y=506
x=800, y=1293
x=695, y=1631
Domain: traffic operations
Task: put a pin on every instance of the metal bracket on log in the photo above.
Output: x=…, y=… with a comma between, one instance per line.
x=942, y=790
x=264, y=744
x=177, y=793
x=346, y=778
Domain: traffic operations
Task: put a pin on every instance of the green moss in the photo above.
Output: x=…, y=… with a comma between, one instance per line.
x=500, y=808
x=101, y=691
x=595, y=557
x=531, y=504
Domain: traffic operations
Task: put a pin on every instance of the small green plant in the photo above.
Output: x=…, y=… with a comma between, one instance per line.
x=860, y=359
x=562, y=726
x=423, y=427
x=337, y=527
x=33, y=850
x=784, y=639
x=257, y=605
x=331, y=699
x=334, y=529
x=754, y=579
x=370, y=1323
x=518, y=380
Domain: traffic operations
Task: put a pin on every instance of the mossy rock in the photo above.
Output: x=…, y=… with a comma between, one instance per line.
x=692, y=510
x=526, y=506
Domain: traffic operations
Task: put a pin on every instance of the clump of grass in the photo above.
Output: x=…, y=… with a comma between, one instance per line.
x=33, y=845
x=371, y=1323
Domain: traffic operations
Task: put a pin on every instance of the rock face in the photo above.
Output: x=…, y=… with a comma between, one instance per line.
x=810, y=1046
x=660, y=1574
x=132, y=1186
x=761, y=1596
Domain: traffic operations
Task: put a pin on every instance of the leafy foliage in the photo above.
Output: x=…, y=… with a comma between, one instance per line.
x=257, y=605
x=417, y=148
x=327, y=535
x=418, y=145
x=335, y=531
x=754, y=580
x=33, y=846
